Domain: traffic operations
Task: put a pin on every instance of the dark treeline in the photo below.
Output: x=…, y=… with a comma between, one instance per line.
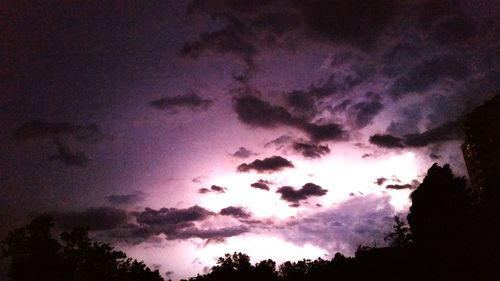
x=452, y=234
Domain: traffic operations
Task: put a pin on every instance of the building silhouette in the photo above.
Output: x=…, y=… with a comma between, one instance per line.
x=481, y=149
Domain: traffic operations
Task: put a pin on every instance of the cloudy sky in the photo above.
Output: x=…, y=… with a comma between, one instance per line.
x=182, y=130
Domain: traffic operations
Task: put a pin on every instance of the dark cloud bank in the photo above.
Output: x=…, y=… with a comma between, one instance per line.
x=266, y=165
x=294, y=196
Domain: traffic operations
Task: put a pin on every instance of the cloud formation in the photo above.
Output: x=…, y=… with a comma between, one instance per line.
x=60, y=133
x=237, y=212
x=310, y=149
x=126, y=199
x=243, y=153
x=266, y=165
x=69, y=156
x=172, y=216
x=254, y=111
x=293, y=195
x=447, y=131
x=386, y=141
x=399, y=186
x=261, y=184
x=189, y=100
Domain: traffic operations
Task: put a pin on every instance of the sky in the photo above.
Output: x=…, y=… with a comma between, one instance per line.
x=182, y=130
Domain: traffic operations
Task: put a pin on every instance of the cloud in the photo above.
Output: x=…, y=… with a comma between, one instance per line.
x=386, y=141
x=254, y=111
x=360, y=220
x=363, y=112
x=261, y=184
x=189, y=100
x=243, y=153
x=172, y=216
x=381, y=181
x=293, y=195
x=69, y=156
x=452, y=130
x=102, y=218
x=229, y=40
x=126, y=199
x=213, y=188
x=236, y=212
x=310, y=149
x=270, y=164
x=218, y=189
x=423, y=76
x=324, y=132
x=399, y=186
x=203, y=190
x=60, y=133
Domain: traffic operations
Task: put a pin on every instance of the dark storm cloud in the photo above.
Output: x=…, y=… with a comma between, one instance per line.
x=324, y=132
x=167, y=216
x=304, y=101
x=218, y=189
x=177, y=224
x=381, y=181
x=407, y=122
x=387, y=141
x=69, y=156
x=448, y=131
x=310, y=149
x=452, y=130
x=126, y=199
x=355, y=22
x=230, y=40
x=399, y=186
x=293, y=195
x=254, y=111
x=236, y=212
x=243, y=153
x=363, y=112
x=41, y=129
x=189, y=100
x=261, y=184
x=422, y=77
x=103, y=218
x=247, y=27
x=60, y=133
x=270, y=164
x=203, y=190
x=213, y=188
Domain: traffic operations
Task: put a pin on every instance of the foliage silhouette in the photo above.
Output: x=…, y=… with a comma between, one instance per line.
x=36, y=255
x=400, y=236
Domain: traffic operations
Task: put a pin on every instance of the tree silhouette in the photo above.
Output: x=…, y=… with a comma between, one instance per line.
x=400, y=236
x=442, y=222
x=35, y=255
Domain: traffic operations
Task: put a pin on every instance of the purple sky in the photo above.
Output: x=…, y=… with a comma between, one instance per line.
x=182, y=130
